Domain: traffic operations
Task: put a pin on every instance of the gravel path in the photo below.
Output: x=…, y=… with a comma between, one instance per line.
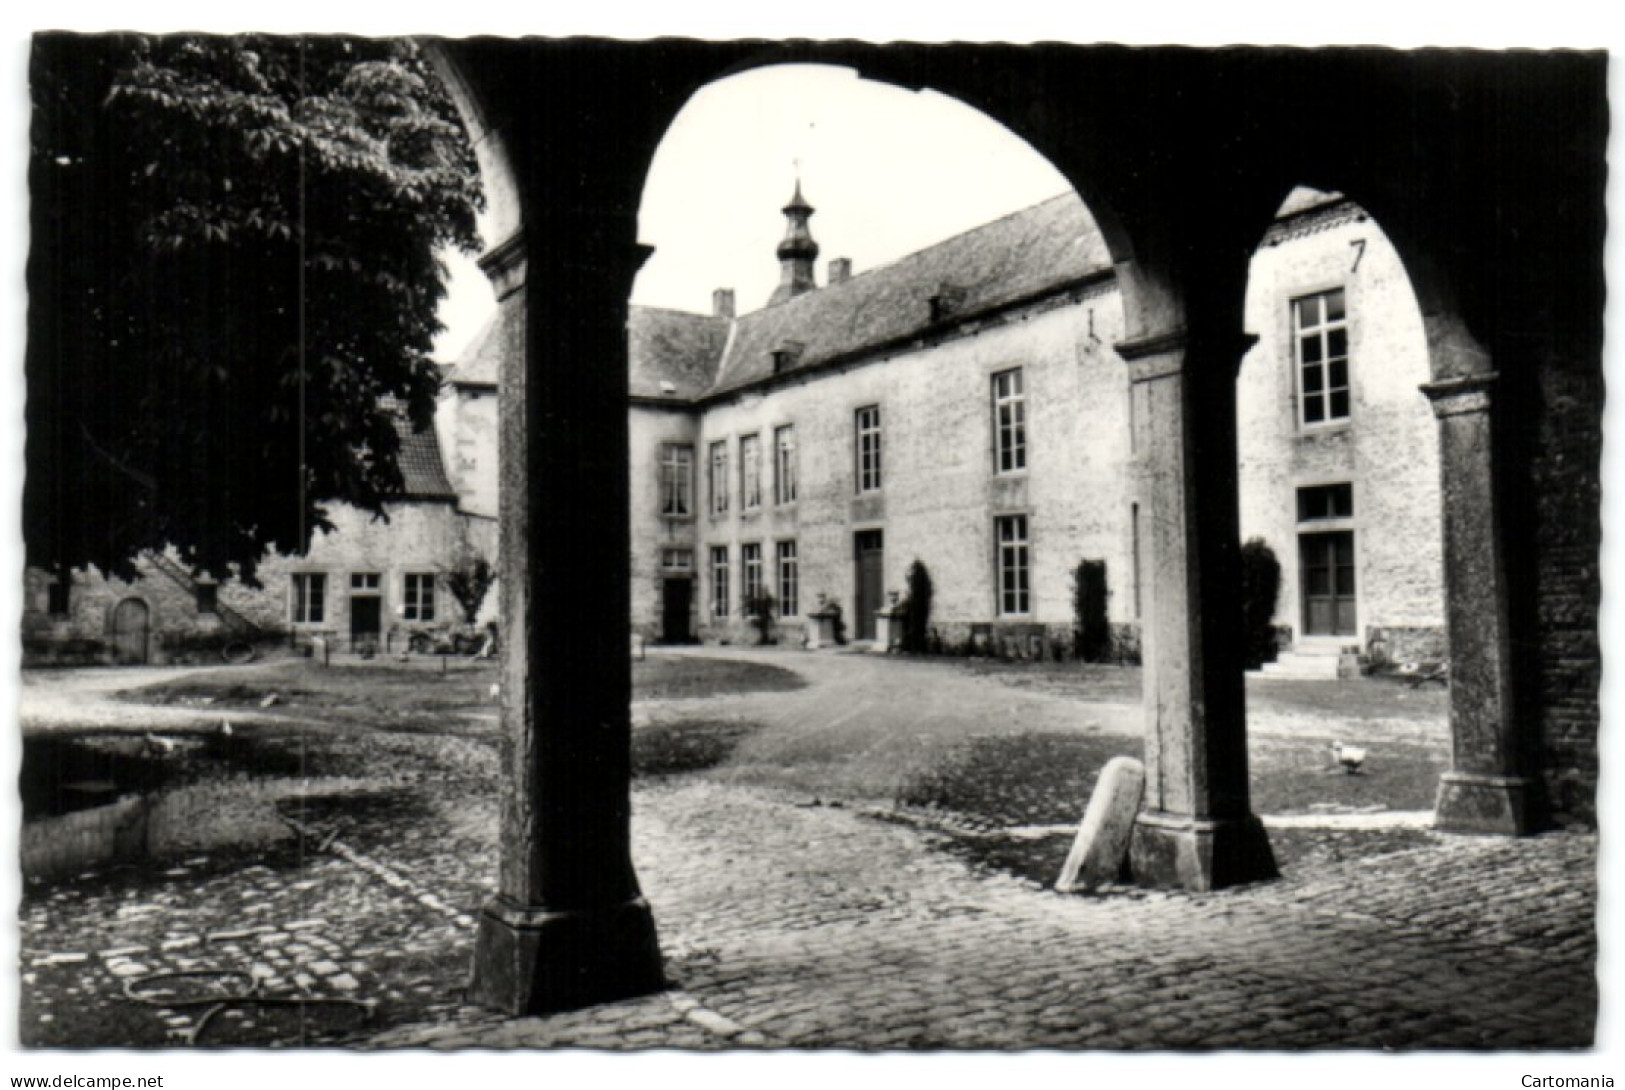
x=84, y=698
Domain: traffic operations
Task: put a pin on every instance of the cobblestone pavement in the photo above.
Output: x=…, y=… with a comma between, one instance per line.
x=792, y=924
x=800, y=926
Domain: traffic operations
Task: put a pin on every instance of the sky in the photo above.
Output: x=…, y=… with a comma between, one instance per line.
x=889, y=172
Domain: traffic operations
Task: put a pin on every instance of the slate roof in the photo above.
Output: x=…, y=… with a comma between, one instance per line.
x=423, y=470
x=1014, y=257
x=480, y=363
x=673, y=346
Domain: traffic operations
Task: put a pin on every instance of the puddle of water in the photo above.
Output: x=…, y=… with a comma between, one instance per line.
x=93, y=800
x=63, y=774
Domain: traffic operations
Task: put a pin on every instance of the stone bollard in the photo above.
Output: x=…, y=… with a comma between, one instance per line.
x=1103, y=836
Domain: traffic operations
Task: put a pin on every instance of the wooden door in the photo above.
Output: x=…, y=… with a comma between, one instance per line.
x=366, y=617
x=131, y=624
x=677, y=599
x=1327, y=562
x=870, y=580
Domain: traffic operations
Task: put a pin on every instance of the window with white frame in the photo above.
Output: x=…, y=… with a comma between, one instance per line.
x=676, y=479
x=719, y=477
x=750, y=559
x=365, y=581
x=677, y=560
x=868, y=448
x=750, y=472
x=1009, y=421
x=784, y=464
x=309, y=597
x=1014, y=560
x=789, y=580
x=417, y=599
x=1321, y=347
x=719, y=580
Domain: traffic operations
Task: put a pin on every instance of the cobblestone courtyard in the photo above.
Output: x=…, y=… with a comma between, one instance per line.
x=791, y=921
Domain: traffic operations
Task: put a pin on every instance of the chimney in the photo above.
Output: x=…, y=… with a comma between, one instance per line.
x=722, y=303
x=840, y=270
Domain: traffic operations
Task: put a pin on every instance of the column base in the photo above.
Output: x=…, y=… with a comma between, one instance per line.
x=1469, y=802
x=1199, y=854
x=536, y=961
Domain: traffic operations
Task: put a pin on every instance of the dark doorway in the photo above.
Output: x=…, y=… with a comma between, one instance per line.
x=677, y=597
x=870, y=578
x=1327, y=560
x=366, y=615
x=131, y=622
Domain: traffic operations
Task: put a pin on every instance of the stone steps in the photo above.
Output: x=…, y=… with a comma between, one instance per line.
x=1305, y=663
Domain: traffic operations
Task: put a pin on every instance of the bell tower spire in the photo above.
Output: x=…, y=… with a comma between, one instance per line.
x=797, y=251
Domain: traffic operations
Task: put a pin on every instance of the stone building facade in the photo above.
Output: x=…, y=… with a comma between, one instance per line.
x=369, y=582
x=1338, y=447
x=965, y=407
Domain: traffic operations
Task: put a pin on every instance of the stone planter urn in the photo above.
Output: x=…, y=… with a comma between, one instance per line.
x=821, y=624
x=889, y=622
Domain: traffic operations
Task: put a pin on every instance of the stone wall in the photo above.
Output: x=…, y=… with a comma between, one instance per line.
x=1388, y=448
x=466, y=421
x=419, y=537
x=939, y=493
x=652, y=533
x=84, y=634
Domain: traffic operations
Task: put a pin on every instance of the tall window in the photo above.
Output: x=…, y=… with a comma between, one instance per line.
x=309, y=597
x=1010, y=421
x=789, y=580
x=1322, y=347
x=868, y=425
x=1015, y=595
x=784, y=464
x=208, y=597
x=719, y=477
x=56, y=598
x=750, y=558
x=418, y=600
x=719, y=580
x=750, y=472
x=676, y=479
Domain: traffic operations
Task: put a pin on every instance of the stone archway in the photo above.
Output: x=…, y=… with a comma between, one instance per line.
x=1179, y=153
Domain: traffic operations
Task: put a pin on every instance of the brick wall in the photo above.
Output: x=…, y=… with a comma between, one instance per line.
x=1562, y=675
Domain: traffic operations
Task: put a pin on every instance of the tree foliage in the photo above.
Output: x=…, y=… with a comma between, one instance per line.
x=233, y=287
x=1260, y=589
x=469, y=580
x=917, y=624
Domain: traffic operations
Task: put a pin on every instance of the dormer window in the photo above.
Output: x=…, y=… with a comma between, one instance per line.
x=946, y=302
x=786, y=355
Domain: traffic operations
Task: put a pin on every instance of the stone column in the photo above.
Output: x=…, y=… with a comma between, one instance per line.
x=1197, y=830
x=1485, y=790
x=568, y=926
